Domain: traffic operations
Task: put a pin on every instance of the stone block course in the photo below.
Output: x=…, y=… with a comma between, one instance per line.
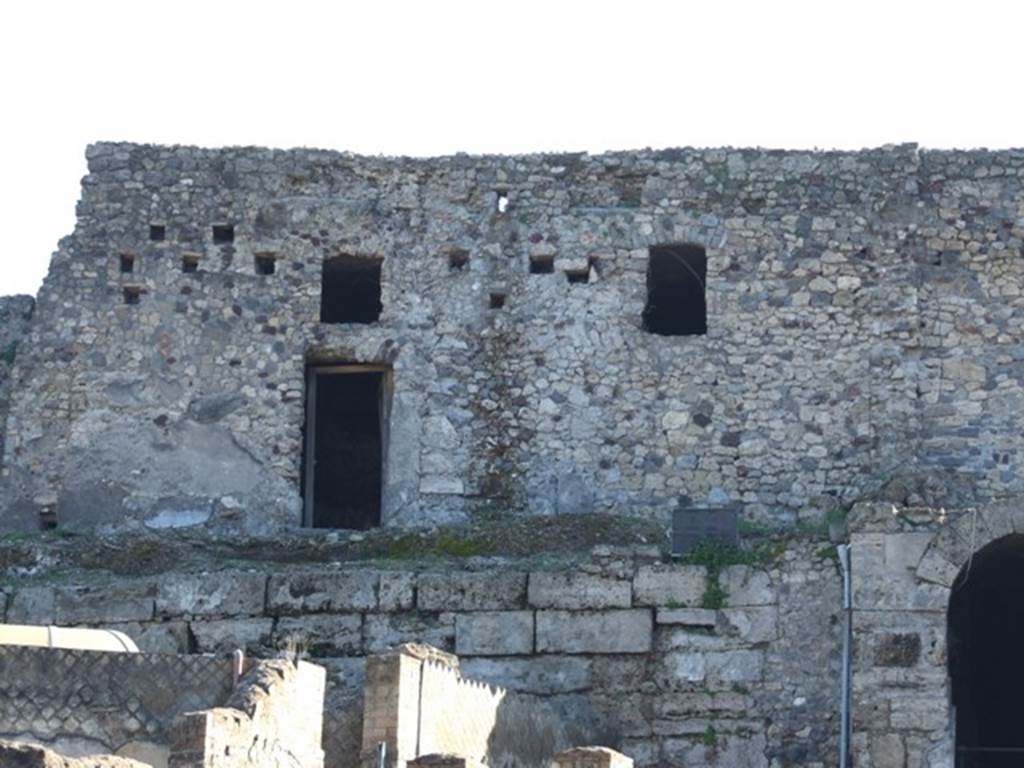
x=252, y=635
x=612, y=631
x=670, y=586
x=471, y=591
x=494, y=633
x=384, y=631
x=330, y=592
x=541, y=675
x=577, y=591
x=224, y=593
x=321, y=634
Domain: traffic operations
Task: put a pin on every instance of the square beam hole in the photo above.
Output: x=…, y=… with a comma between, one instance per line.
x=496, y=300
x=542, y=265
x=157, y=233
x=223, y=234
x=132, y=294
x=189, y=263
x=265, y=263
x=127, y=263
x=676, y=302
x=350, y=290
x=458, y=259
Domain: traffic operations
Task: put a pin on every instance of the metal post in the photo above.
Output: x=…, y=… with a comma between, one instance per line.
x=382, y=755
x=845, y=729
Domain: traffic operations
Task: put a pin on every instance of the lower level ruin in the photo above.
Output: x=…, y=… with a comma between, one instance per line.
x=727, y=657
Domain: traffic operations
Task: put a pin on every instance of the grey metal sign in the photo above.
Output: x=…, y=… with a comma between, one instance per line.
x=691, y=525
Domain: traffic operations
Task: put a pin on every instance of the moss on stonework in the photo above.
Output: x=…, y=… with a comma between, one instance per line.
x=715, y=555
x=8, y=355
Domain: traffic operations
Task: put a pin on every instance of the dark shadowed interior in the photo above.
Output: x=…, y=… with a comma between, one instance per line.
x=350, y=292
x=348, y=458
x=676, y=276
x=985, y=638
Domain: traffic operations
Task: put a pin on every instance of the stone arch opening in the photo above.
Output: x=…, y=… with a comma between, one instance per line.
x=985, y=645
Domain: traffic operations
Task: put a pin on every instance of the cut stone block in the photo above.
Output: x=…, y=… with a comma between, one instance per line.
x=321, y=634
x=577, y=591
x=225, y=635
x=671, y=586
x=687, y=617
x=494, y=633
x=470, y=591
x=746, y=586
x=333, y=592
x=541, y=675
x=615, y=631
x=212, y=594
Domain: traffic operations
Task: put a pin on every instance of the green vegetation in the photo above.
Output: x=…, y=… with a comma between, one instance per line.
x=710, y=736
x=715, y=556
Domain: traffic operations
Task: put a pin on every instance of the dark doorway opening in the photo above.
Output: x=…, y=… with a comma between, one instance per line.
x=985, y=638
x=676, y=304
x=350, y=291
x=346, y=442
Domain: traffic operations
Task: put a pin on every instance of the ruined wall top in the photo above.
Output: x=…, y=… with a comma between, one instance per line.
x=861, y=317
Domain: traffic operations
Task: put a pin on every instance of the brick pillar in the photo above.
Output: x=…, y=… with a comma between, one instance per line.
x=391, y=702
x=591, y=757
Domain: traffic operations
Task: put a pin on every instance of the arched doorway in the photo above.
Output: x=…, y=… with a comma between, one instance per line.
x=985, y=642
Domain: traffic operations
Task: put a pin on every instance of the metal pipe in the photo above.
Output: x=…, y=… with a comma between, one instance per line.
x=845, y=730
x=382, y=755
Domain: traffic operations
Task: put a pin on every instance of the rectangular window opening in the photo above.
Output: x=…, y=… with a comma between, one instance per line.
x=542, y=265
x=189, y=263
x=265, y=263
x=223, y=234
x=157, y=233
x=676, y=291
x=132, y=294
x=127, y=264
x=458, y=259
x=350, y=290
x=501, y=200
x=345, y=445
x=497, y=301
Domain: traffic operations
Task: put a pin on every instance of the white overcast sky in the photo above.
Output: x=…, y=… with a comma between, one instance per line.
x=436, y=77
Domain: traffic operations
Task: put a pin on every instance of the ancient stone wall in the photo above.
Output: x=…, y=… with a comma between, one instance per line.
x=637, y=653
x=16, y=755
x=864, y=317
x=273, y=720
x=416, y=702
x=15, y=315
x=91, y=702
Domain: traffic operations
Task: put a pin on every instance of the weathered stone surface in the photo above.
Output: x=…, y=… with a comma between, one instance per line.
x=613, y=631
x=494, y=633
x=334, y=592
x=15, y=755
x=718, y=668
x=385, y=631
x=670, y=586
x=540, y=675
x=155, y=636
x=252, y=635
x=397, y=591
x=751, y=625
x=576, y=591
x=321, y=634
x=224, y=593
x=471, y=591
x=690, y=617
x=746, y=586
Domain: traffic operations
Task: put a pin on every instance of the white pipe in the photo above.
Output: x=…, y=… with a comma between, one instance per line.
x=845, y=730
